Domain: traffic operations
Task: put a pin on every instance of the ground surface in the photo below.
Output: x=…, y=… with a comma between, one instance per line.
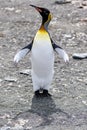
x=19, y=109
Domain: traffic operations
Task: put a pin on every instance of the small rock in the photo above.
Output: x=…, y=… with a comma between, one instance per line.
x=1, y=34
x=84, y=20
x=5, y=128
x=84, y=3
x=10, y=79
x=84, y=102
x=79, y=55
x=1, y=80
x=14, y=40
x=28, y=127
x=62, y=1
x=18, y=11
x=80, y=7
x=26, y=72
x=10, y=9
x=22, y=121
x=17, y=127
x=67, y=36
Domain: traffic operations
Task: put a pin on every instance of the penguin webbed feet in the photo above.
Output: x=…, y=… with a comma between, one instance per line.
x=44, y=93
x=37, y=94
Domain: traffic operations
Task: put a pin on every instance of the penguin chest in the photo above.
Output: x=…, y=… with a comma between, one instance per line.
x=42, y=56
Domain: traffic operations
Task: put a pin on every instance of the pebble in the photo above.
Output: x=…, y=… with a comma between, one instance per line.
x=10, y=79
x=12, y=128
x=18, y=11
x=67, y=36
x=84, y=102
x=79, y=55
x=26, y=72
x=1, y=34
x=84, y=3
x=62, y=1
x=1, y=80
x=5, y=128
x=10, y=9
x=17, y=127
x=84, y=20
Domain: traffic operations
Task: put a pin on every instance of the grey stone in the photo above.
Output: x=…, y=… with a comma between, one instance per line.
x=62, y=1
x=26, y=72
x=80, y=55
x=10, y=79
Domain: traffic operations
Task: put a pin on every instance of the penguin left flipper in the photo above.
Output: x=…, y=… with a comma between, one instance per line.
x=60, y=51
x=24, y=51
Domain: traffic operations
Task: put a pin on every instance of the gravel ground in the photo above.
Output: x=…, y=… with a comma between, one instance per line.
x=67, y=108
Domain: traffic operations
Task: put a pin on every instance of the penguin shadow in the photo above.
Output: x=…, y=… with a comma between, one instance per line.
x=45, y=107
x=42, y=112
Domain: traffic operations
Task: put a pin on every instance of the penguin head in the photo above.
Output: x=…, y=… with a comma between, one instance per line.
x=45, y=13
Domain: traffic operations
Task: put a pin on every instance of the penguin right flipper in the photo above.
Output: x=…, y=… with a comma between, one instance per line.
x=60, y=51
x=24, y=51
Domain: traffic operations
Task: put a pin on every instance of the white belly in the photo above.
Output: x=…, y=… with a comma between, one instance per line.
x=42, y=63
x=42, y=60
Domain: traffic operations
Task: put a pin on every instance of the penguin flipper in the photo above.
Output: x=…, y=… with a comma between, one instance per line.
x=21, y=54
x=61, y=52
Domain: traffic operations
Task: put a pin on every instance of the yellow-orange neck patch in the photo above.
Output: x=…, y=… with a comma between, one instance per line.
x=42, y=28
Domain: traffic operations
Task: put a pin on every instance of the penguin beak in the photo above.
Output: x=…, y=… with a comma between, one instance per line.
x=37, y=8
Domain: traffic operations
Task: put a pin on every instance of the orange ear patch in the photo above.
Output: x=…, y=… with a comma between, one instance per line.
x=38, y=9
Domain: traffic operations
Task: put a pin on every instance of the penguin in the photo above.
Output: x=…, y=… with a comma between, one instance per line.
x=42, y=50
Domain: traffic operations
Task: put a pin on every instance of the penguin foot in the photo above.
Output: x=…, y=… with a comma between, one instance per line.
x=37, y=93
x=46, y=94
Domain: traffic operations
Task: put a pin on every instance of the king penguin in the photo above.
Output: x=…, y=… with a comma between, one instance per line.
x=42, y=50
